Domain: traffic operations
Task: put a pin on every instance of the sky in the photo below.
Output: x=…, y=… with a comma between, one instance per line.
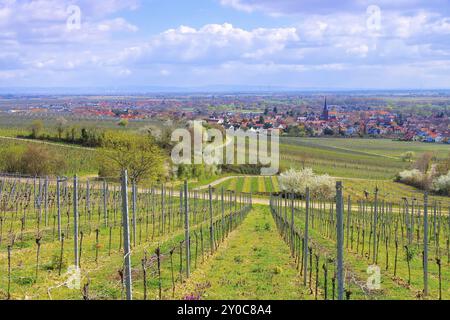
x=298, y=44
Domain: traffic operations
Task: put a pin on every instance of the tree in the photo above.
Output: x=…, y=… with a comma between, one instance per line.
x=60, y=125
x=321, y=186
x=136, y=153
x=328, y=132
x=408, y=156
x=261, y=120
x=36, y=128
x=123, y=123
x=33, y=160
x=423, y=164
x=296, y=131
x=444, y=166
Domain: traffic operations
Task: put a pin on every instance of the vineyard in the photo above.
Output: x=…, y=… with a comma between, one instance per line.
x=378, y=160
x=175, y=243
x=358, y=189
x=49, y=225
x=259, y=186
x=335, y=245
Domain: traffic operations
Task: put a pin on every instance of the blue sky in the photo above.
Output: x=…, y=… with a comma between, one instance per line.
x=347, y=44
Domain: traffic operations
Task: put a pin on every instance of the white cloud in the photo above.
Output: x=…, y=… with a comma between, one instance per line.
x=211, y=43
x=45, y=21
x=118, y=24
x=290, y=7
x=320, y=46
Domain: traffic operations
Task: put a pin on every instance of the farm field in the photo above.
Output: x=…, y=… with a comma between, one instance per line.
x=259, y=186
x=36, y=247
x=226, y=234
x=355, y=188
x=253, y=264
x=37, y=239
x=388, y=190
x=394, y=244
x=14, y=125
x=350, y=158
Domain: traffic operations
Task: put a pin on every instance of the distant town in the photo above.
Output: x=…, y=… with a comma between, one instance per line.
x=410, y=117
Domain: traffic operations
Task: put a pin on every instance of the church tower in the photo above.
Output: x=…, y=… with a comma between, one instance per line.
x=326, y=112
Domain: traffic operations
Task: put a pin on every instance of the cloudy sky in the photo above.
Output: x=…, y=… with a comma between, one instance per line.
x=379, y=44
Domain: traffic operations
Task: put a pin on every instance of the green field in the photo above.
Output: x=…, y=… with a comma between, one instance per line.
x=243, y=256
x=254, y=264
x=81, y=161
x=388, y=190
x=353, y=158
x=39, y=272
x=262, y=186
x=398, y=256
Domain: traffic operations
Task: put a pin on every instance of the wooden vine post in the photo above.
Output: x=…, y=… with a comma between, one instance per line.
x=75, y=222
x=425, y=245
x=126, y=237
x=340, y=239
x=186, y=227
x=305, y=246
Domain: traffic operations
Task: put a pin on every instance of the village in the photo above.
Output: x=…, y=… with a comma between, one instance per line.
x=359, y=118
x=373, y=123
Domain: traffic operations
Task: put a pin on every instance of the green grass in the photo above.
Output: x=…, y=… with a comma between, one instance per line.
x=362, y=158
x=247, y=185
x=80, y=161
x=102, y=274
x=258, y=185
x=388, y=190
x=240, y=184
x=393, y=287
x=253, y=264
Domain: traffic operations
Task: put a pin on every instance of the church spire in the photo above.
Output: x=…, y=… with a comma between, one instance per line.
x=326, y=111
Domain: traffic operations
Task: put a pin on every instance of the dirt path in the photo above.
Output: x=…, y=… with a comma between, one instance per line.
x=254, y=263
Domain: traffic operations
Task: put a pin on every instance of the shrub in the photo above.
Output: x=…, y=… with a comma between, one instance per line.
x=10, y=159
x=412, y=177
x=36, y=128
x=408, y=156
x=123, y=123
x=442, y=184
x=33, y=160
x=320, y=186
x=37, y=160
x=136, y=153
x=416, y=178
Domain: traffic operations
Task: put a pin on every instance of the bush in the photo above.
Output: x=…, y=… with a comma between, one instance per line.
x=136, y=153
x=123, y=123
x=36, y=128
x=442, y=184
x=320, y=186
x=416, y=178
x=10, y=159
x=408, y=156
x=411, y=177
x=38, y=161
x=33, y=160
